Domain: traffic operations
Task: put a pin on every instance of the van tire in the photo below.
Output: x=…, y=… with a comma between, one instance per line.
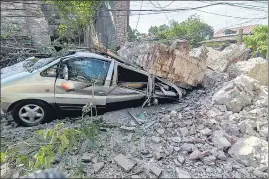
x=23, y=112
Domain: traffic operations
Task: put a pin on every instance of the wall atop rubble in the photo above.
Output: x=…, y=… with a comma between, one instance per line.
x=25, y=19
x=40, y=21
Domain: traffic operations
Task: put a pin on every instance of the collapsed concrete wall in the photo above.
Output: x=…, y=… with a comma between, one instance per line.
x=175, y=63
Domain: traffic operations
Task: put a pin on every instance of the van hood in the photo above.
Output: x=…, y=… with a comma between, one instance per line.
x=15, y=78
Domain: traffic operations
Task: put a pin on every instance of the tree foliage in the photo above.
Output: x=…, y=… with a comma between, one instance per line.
x=50, y=143
x=134, y=35
x=75, y=14
x=154, y=30
x=192, y=29
x=258, y=39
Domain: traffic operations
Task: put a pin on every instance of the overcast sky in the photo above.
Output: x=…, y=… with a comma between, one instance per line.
x=216, y=21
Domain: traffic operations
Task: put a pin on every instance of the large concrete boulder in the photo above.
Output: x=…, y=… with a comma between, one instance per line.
x=237, y=93
x=221, y=60
x=256, y=68
x=175, y=63
x=213, y=79
x=250, y=151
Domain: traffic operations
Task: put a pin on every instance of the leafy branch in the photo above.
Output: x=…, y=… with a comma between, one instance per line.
x=54, y=142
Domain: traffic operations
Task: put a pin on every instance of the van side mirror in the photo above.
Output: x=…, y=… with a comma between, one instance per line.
x=65, y=72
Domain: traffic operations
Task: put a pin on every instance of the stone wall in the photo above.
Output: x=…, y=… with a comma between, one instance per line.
x=25, y=18
x=40, y=22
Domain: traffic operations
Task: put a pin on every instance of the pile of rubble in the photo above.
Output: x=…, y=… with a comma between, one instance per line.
x=218, y=131
x=195, y=138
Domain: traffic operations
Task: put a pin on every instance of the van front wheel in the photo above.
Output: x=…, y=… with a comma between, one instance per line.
x=30, y=113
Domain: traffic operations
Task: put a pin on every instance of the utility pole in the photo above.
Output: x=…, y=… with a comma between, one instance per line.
x=240, y=36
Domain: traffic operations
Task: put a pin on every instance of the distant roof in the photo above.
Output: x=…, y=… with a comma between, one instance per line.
x=246, y=30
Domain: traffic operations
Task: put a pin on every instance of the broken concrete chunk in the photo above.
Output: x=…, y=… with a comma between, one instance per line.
x=188, y=122
x=160, y=131
x=143, y=149
x=250, y=151
x=97, y=167
x=187, y=147
x=221, y=60
x=173, y=113
x=264, y=131
x=220, y=141
x=213, y=113
x=243, y=171
x=176, y=139
x=129, y=137
x=157, y=155
x=182, y=173
x=177, y=163
x=206, y=131
x=6, y=171
x=124, y=162
x=260, y=174
x=204, y=153
x=213, y=78
x=156, y=139
x=221, y=155
x=210, y=160
x=237, y=93
x=156, y=171
x=184, y=131
x=181, y=159
x=87, y=157
x=136, y=176
x=125, y=128
x=256, y=68
x=247, y=127
x=230, y=128
x=196, y=154
x=179, y=116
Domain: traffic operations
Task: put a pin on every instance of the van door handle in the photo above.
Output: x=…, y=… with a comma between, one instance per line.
x=100, y=92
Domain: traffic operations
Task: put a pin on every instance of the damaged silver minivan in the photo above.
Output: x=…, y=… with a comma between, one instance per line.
x=70, y=82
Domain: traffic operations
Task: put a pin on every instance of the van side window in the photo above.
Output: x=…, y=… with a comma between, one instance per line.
x=50, y=72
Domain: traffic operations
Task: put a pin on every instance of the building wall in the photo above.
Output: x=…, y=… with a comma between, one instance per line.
x=122, y=21
x=40, y=21
x=112, y=26
x=25, y=18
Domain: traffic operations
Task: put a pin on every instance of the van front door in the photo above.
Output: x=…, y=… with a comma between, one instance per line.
x=85, y=81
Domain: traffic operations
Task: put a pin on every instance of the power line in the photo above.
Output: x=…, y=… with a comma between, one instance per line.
x=231, y=16
x=168, y=4
x=138, y=10
x=243, y=6
x=158, y=12
x=139, y=15
x=164, y=14
x=161, y=9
